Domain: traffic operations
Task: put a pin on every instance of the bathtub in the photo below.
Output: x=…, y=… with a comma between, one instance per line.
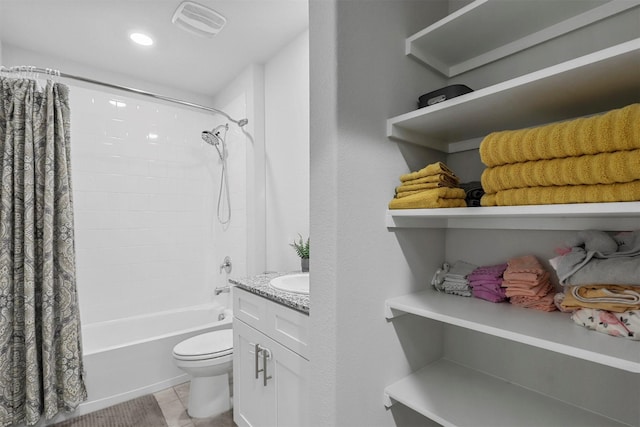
x=131, y=357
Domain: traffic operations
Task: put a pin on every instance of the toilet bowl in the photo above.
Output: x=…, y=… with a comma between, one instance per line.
x=208, y=359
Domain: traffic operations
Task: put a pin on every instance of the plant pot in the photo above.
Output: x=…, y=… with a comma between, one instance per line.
x=304, y=264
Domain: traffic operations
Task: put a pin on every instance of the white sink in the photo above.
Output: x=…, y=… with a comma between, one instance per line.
x=295, y=283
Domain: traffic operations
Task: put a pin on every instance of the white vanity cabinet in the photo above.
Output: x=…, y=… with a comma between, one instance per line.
x=270, y=365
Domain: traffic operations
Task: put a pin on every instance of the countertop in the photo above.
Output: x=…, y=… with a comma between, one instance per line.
x=259, y=285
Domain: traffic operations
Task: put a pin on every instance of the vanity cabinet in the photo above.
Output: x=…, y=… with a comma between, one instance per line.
x=518, y=382
x=270, y=365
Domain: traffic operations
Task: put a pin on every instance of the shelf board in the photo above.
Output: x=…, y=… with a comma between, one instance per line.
x=580, y=216
x=506, y=27
x=571, y=89
x=551, y=331
x=454, y=395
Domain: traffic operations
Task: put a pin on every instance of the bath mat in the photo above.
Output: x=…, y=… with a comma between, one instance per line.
x=141, y=412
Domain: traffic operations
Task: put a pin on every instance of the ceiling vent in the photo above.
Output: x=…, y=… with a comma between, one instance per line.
x=198, y=19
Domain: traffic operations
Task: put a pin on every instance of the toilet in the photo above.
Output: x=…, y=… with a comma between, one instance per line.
x=208, y=359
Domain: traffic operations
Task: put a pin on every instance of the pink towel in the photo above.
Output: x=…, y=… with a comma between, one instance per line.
x=525, y=264
x=522, y=277
x=543, y=304
x=538, y=291
x=486, y=295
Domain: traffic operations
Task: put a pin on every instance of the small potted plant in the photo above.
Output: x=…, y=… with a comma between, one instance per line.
x=302, y=249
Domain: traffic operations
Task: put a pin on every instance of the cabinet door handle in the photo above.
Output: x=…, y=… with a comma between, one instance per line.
x=266, y=354
x=257, y=359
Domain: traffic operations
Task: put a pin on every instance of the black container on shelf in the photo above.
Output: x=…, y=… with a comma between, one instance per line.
x=443, y=94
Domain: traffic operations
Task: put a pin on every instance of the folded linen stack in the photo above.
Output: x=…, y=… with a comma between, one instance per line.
x=527, y=284
x=452, y=279
x=486, y=283
x=600, y=274
x=594, y=159
x=434, y=186
x=624, y=325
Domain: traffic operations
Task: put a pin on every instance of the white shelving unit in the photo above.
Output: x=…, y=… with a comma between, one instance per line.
x=550, y=331
x=442, y=390
x=560, y=92
x=445, y=391
x=588, y=216
x=506, y=29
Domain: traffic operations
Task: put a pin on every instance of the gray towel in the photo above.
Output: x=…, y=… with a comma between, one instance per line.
x=598, y=258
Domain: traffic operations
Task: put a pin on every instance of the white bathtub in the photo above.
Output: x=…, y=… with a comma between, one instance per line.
x=131, y=357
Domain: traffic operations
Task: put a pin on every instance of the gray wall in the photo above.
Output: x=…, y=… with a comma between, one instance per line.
x=359, y=78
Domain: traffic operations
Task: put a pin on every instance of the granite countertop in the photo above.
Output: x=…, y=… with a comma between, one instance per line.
x=259, y=285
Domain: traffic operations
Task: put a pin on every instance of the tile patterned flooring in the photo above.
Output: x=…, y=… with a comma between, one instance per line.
x=173, y=402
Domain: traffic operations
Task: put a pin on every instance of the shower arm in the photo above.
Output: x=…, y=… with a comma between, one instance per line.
x=55, y=73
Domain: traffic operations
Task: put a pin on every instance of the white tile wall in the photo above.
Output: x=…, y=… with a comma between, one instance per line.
x=145, y=195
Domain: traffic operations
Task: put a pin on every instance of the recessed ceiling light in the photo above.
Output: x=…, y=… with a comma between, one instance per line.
x=141, y=39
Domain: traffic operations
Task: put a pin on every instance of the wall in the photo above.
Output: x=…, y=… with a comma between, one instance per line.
x=145, y=193
x=287, y=152
x=359, y=78
x=248, y=87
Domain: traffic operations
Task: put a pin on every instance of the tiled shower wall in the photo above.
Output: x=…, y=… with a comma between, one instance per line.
x=145, y=198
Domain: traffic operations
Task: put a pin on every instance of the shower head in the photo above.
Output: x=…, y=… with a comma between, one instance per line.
x=212, y=137
x=243, y=122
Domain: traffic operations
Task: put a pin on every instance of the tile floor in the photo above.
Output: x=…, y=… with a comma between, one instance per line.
x=173, y=402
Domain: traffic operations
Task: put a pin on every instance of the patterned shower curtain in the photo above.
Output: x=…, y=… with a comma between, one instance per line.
x=41, y=370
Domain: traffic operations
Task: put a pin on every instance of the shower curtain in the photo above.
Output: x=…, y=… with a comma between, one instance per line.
x=41, y=370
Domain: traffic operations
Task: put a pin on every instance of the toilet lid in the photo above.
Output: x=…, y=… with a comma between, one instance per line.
x=205, y=346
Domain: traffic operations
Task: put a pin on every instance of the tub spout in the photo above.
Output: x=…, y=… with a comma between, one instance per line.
x=222, y=289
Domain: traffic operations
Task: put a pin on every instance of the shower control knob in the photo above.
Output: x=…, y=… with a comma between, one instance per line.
x=226, y=265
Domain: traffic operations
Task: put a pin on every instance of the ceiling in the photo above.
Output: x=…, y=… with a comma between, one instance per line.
x=95, y=33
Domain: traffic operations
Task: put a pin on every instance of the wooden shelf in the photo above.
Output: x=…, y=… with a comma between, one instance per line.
x=597, y=216
x=506, y=27
x=551, y=331
x=571, y=89
x=454, y=395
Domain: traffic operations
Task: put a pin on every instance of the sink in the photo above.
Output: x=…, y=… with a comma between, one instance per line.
x=295, y=283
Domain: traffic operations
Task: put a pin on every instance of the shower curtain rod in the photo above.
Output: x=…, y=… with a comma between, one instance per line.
x=56, y=73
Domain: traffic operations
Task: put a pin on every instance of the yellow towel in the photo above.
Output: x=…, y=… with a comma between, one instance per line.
x=598, y=193
x=407, y=193
x=432, y=169
x=615, y=130
x=603, y=168
x=419, y=187
x=440, y=177
x=608, y=293
x=436, y=198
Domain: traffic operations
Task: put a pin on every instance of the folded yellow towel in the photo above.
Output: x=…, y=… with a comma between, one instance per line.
x=598, y=193
x=615, y=298
x=603, y=168
x=407, y=193
x=435, y=198
x=440, y=177
x=615, y=130
x=432, y=169
x=419, y=187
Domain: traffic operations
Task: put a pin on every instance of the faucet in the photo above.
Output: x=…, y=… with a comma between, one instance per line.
x=226, y=266
x=222, y=289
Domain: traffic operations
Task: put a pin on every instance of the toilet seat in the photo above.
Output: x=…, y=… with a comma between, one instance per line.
x=210, y=345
